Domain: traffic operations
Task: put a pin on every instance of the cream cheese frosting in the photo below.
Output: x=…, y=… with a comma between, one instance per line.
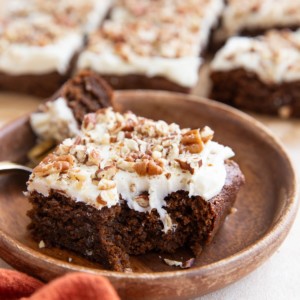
x=87, y=15
x=275, y=57
x=255, y=14
x=122, y=157
x=161, y=38
x=37, y=46
x=55, y=121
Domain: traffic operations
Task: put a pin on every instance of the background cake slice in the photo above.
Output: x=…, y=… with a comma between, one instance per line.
x=152, y=44
x=40, y=41
x=31, y=57
x=61, y=116
x=260, y=74
x=127, y=185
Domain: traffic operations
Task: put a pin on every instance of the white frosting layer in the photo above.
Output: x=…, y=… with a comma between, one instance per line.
x=275, y=58
x=85, y=14
x=18, y=59
x=183, y=71
x=101, y=171
x=55, y=122
x=152, y=45
x=97, y=15
x=37, y=46
x=253, y=14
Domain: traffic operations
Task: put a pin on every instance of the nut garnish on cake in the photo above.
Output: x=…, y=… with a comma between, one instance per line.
x=142, y=153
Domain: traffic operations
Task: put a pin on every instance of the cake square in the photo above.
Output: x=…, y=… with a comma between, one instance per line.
x=40, y=41
x=127, y=185
x=259, y=74
x=152, y=44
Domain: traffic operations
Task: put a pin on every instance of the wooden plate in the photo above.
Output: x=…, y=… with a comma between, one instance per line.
x=266, y=205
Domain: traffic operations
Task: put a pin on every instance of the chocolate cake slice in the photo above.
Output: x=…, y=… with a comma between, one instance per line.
x=127, y=185
x=31, y=57
x=40, y=41
x=260, y=74
x=152, y=44
x=61, y=116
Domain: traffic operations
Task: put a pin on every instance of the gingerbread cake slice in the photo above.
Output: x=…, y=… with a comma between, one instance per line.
x=255, y=17
x=40, y=41
x=61, y=116
x=260, y=74
x=127, y=185
x=152, y=44
x=36, y=54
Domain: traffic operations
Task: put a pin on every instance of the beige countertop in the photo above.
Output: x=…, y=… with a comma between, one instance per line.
x=279, y=277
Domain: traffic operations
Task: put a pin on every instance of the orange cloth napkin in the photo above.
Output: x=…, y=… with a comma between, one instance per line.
x=76, y=286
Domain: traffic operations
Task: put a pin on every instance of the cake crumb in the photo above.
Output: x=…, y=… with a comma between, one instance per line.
x=183, y=265
x=42, y=244
x=70, y=259
x=128, y=270
x=233, y=210
x=285, y=112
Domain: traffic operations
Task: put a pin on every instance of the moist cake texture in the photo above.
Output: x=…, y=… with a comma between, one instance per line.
x=127, y=185
x=260, y=74
x=152, y=44
x=62, y=115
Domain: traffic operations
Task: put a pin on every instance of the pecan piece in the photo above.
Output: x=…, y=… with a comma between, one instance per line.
x=207, y=134
x=142, y=200
x=93, y=158
x=101, y=201
x=105, y=184
x=89, y=121
x=147, y=167
x=192, y=141
x=185, y=166
x=54, y=164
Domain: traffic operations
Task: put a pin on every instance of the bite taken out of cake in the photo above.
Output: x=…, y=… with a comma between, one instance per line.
x=127, y=185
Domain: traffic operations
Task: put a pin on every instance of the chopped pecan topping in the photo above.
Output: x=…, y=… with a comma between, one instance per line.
x=93, y=158
x=126, y=166
x=147, y=167
x=89, y=121
x=206, y=134
x=105, y=184
x=129, y=125
x=192, y=141
x=142, y=200
x=168, y=175
x=77, y=176
x=54, y=164
x=185, y=166
x=101, y=201
x=108, y=172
